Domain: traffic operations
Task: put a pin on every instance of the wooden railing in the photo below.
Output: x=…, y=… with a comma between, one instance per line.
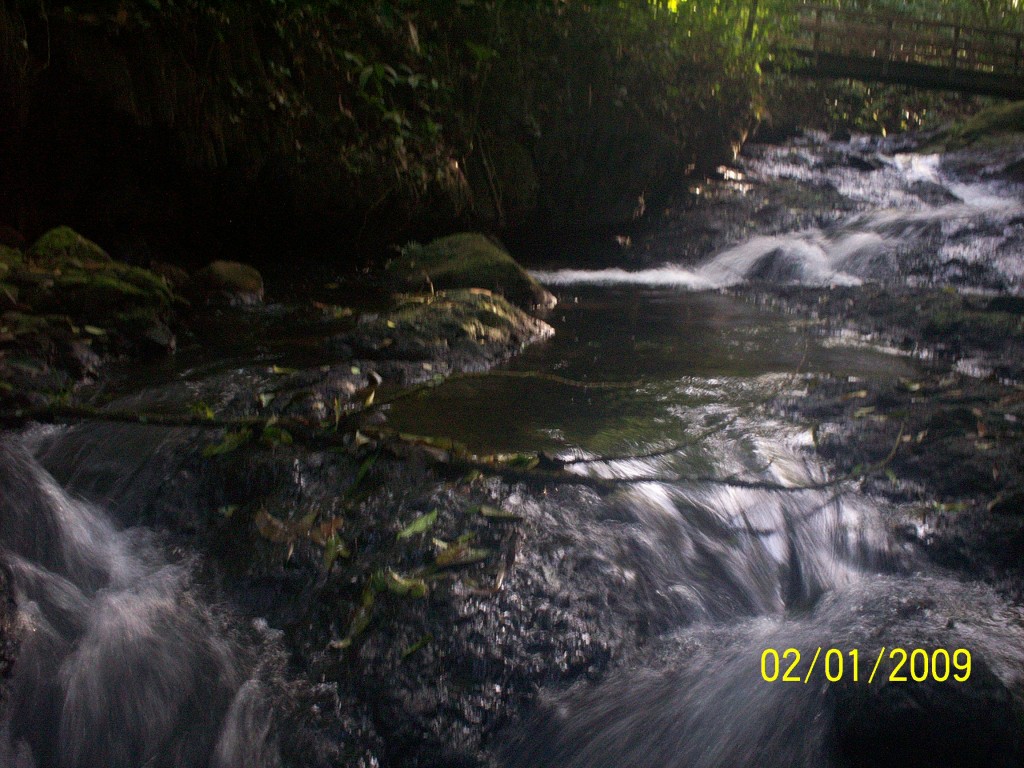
x=891, y=37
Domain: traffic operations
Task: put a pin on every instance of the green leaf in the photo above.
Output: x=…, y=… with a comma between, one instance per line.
x=276, y=436
x=360, y=620
x=494, y=513
x=228, y=510
x=397, y=584
x=231, y=441
x=423, y=642
x=421, y=524
x=460, y=554
x=364, y=469
x=365, y=76
x=283, y=531
x=334, y=548
x=202, y=410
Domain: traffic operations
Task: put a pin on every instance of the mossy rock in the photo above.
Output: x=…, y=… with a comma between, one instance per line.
x=62, y=244
x=228, y=281
x=986, y=124
x=479, y=326
x=466, y=260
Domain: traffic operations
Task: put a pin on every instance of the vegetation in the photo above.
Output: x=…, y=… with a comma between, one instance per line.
x=386, y=113
x=259, y=122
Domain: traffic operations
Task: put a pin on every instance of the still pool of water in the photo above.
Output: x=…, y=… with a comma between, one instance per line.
x=673, y=356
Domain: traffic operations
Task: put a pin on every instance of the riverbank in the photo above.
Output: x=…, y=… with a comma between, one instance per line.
x=196, y=130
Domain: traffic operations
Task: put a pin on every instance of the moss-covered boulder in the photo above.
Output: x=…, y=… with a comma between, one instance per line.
x=227, y=282
x=468, y=329
x=989, y=126
x=466, y=260
x=62, y=245
x=64, y=305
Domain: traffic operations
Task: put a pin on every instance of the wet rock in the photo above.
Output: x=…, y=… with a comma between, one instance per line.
x=932, y=193
x=466, y=260
x=227, y=282
x=864, y=163
x=911, y=725
x=472, y=329
x=8, y=630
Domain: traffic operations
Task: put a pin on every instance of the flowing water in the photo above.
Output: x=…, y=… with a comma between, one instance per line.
x=727, y=537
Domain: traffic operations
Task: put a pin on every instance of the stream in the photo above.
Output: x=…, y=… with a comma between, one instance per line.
x=630, y=628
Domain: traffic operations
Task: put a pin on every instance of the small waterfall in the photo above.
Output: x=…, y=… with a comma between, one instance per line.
x=767, y=543
x=969, y=235
x=121, y=664
x=698, y=698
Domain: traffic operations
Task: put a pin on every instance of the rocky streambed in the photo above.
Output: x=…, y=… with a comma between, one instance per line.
x=786, y=415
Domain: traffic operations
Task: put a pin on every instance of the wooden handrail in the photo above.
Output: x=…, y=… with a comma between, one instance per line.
x=888, y=36
x=886, y=16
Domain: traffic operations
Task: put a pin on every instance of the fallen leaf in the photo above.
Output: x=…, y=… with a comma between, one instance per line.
x=421, y=524
x=495, y=513
x=283, y=531
x=231, y=441
x=460, y=554
x=418, y=645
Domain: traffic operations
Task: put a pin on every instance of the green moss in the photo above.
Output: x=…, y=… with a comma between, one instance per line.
x=63, y=244
x=89, y=295
x=154, y=286
x=984, y=126
x=230, y=278
x=950, y=315
x=473, y=321
x=465, y=260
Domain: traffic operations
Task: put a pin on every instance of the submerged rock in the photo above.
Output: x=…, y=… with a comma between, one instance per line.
x=466, y=260
x=229, y=282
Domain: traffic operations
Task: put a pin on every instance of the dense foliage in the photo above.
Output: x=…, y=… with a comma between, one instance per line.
x=487, y=108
